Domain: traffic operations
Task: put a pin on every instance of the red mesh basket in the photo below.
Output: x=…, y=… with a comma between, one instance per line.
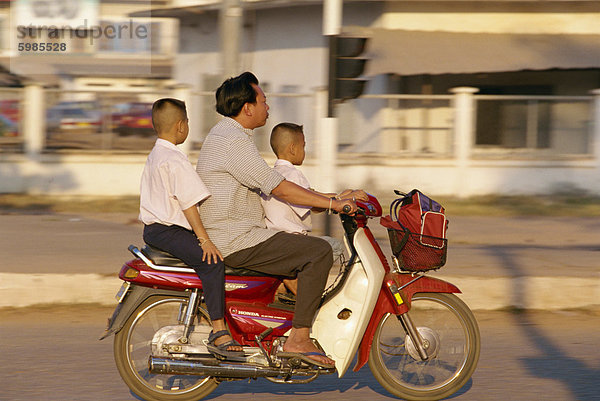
x=417, y=252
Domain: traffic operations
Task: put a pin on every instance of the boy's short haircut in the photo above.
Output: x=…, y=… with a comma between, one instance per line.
x=278, y=138
x=234, y=93
x=161, y=105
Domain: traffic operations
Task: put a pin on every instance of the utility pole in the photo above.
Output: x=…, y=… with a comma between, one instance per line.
x=230, y=27
x=332, y=25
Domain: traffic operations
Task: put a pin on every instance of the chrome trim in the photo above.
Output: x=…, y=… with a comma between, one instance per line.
x=227, y=369
x=419, y=276
x=123, y=290
x=136, y=252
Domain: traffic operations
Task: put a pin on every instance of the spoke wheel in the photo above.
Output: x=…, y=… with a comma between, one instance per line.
x=452, y=342
x=133, y=347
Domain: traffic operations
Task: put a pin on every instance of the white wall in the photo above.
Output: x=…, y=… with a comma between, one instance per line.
x=120, y=175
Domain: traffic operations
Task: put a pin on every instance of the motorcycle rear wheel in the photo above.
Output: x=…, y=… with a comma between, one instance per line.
x=132, y=348
x=452, y=335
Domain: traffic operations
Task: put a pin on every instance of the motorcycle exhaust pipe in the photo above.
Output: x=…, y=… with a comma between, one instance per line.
x=208, y=367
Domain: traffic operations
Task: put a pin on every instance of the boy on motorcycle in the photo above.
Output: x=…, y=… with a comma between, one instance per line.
x=169, y=194
x=288, y=143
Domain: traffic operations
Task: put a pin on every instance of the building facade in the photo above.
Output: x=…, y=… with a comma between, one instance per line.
x=463, y=98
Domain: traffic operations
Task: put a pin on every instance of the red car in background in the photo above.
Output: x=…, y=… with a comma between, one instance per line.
x=10, y=109
x=8, y=127
x=133, y=119
x=9, y=118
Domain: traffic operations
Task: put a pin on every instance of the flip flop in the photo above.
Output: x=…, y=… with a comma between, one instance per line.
x=304, y=356
x=220, y=351
x=287, y=298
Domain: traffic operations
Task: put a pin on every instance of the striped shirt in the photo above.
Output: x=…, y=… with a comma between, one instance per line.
x=235, y=174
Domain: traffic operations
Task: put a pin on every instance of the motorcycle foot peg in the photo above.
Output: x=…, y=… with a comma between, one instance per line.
x=258, y=338
x=294, y=362
x=264, y=334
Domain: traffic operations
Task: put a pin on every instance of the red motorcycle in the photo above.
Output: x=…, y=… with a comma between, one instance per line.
x=420, y=340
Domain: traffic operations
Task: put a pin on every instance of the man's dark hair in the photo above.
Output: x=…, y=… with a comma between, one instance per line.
x=234, y=93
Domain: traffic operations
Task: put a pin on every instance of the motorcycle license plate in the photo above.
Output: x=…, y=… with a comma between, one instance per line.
x=122, y=291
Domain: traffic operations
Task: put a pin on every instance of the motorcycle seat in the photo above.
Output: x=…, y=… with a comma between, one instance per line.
x=162, y=258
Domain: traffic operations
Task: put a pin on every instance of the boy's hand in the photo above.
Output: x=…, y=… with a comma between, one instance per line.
x=354, y=195
x=210, y=252
x=359, y=194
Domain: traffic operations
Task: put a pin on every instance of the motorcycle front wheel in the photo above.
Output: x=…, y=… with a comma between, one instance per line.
x=133, y=347
x=451, y=338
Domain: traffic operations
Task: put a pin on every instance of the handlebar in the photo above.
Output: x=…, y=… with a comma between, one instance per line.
x=365, y=209
x=359, y=210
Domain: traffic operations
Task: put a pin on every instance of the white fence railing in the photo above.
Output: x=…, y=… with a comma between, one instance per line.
x=415, y=126
x=458, y=144
x=542, y=126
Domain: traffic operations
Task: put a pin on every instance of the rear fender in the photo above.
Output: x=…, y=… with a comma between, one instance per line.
x=137, y=294
x=388, y=303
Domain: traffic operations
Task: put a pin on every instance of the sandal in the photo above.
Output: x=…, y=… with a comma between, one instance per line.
x=287, y=298
x=220, y=351
x=306, y=357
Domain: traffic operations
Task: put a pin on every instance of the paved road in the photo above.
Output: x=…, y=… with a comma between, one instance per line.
x=66, y=243
x=53, y=354
x=479, y=246
x=519, y=261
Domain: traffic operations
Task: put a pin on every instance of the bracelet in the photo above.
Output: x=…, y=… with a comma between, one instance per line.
x=203, y=241
x=330, y=201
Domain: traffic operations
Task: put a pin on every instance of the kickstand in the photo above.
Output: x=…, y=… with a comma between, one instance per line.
x=258, y=338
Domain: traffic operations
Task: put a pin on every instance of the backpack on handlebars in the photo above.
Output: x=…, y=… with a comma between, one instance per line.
x=417, y=229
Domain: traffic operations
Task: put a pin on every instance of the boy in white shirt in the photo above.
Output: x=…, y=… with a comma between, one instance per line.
x=288, y=143
x=170, y=191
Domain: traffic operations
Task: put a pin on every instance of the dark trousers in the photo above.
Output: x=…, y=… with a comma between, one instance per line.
x=183, y=244
x=292, y=255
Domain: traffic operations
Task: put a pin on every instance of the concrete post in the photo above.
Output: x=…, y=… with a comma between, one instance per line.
x=183, y=92
x=596, y=126
x=34, y=119
x=464, y=122
x=327, y=145
x=464, y=129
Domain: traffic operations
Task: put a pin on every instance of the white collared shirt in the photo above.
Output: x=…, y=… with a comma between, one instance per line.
x=169, y=185
x=284, y=216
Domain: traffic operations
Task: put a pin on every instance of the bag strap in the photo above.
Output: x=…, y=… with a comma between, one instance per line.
x=397, y=203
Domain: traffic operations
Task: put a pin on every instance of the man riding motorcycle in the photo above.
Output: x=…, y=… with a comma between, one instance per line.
x=234, y=172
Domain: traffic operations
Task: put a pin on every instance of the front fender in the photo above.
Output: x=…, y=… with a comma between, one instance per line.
x=387, y=303
x=137, y=294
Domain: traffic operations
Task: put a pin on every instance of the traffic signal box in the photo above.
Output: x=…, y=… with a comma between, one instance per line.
x=345, y=68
